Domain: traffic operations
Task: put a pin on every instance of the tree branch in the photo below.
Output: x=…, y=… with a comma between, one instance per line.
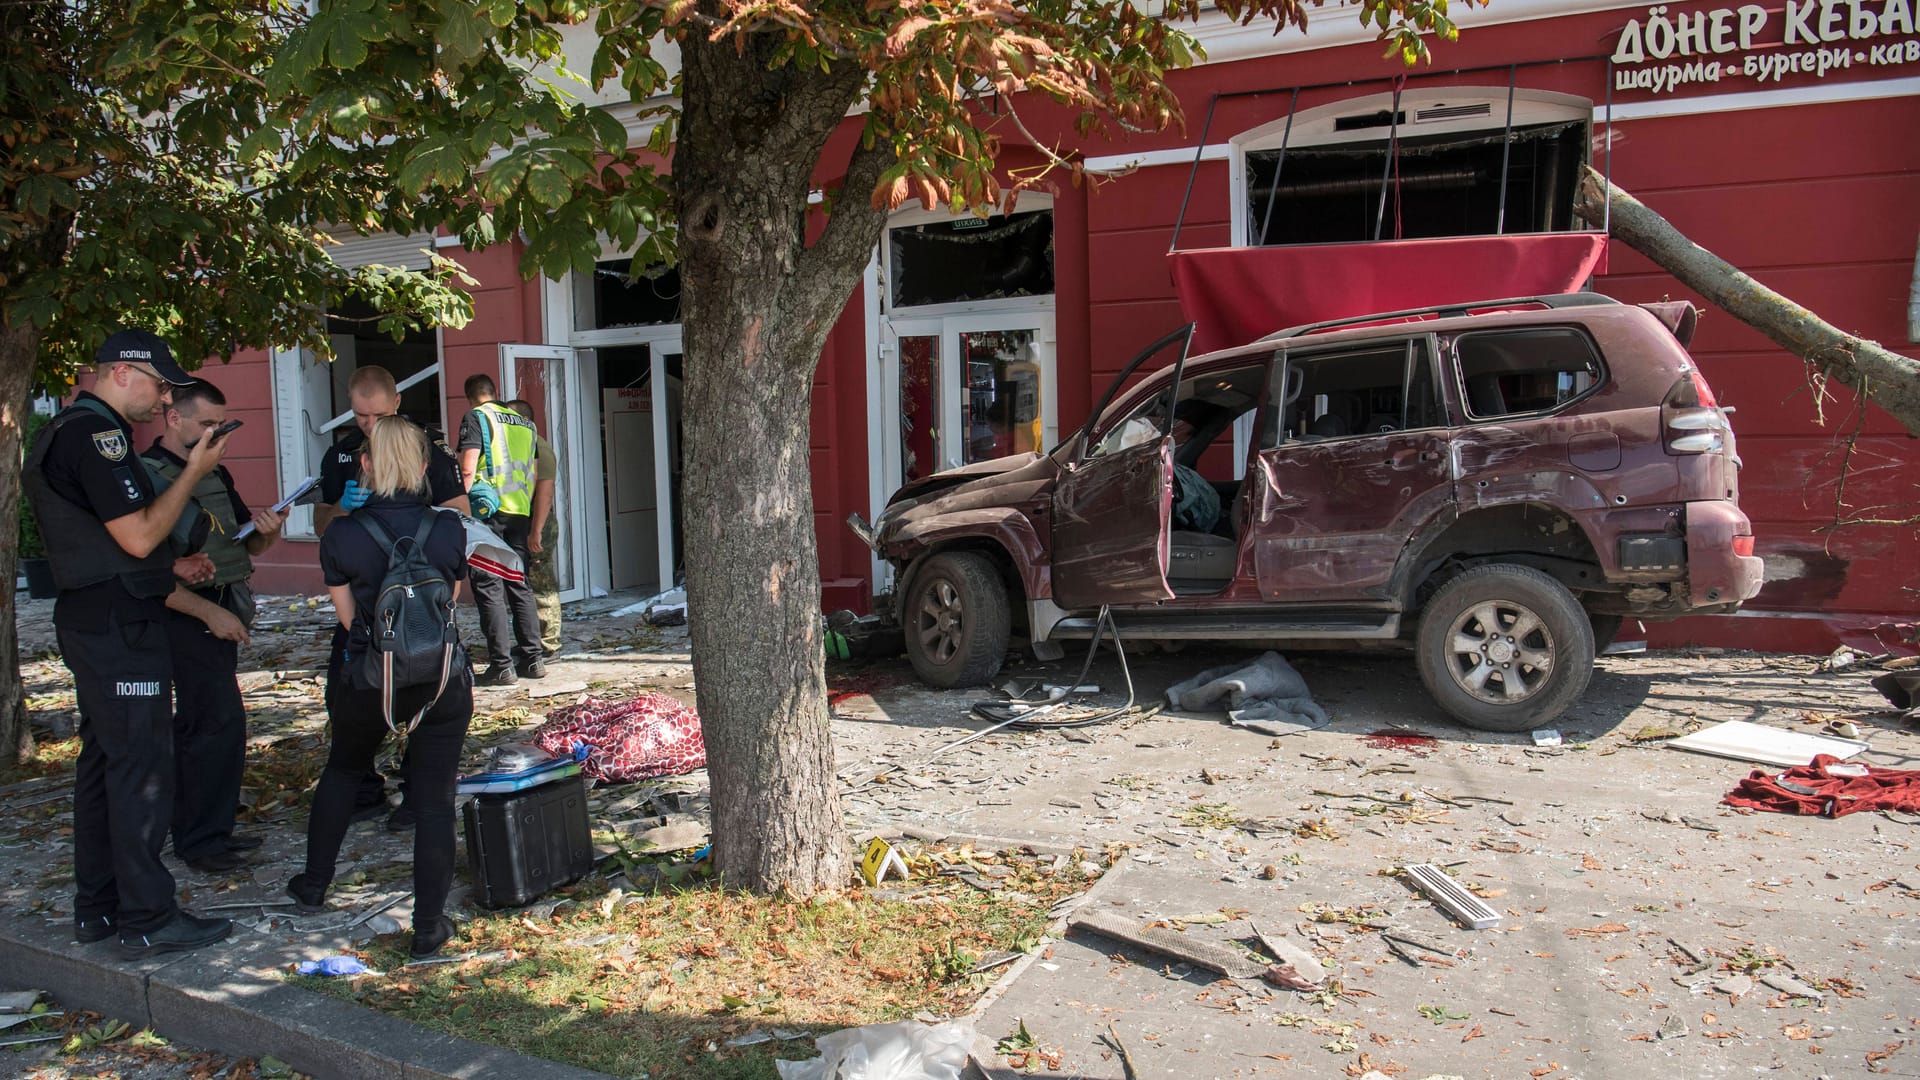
x=854, y=225
x=1886, y=378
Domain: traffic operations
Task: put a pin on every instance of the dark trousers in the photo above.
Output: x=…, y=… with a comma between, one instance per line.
x=209, y=737
x=372, y=787
x=509, y=612
x=432, y=766
x=123, y=782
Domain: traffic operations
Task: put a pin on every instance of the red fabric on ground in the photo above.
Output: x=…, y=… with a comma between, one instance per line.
x=1236, y=295
x=1823, y=793
x=637, y=738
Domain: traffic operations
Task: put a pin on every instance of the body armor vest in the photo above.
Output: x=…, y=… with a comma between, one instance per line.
x=79, y=547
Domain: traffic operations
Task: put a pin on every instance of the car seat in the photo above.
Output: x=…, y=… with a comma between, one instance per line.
x=1328, y=426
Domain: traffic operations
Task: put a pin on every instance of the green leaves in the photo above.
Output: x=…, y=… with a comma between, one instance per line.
x=440, y=162
x=463, y=31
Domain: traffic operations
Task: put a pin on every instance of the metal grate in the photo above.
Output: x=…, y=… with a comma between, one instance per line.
x=1452, y=896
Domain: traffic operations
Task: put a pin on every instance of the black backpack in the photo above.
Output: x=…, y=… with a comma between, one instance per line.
x=412, y=636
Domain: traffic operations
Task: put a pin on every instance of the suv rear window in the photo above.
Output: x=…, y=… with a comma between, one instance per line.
x=1512, y=372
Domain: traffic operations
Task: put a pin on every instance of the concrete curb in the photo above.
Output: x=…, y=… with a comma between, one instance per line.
x=230, y=998
x=981, y=1056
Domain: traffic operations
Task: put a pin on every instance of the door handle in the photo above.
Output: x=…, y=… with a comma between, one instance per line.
x=1402, y=457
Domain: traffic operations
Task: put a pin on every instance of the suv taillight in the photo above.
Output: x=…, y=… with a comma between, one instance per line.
x=1690, y=419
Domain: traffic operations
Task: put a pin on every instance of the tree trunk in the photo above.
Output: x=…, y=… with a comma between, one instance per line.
x=757, y=308
x=1888, y=379
x=19, y=348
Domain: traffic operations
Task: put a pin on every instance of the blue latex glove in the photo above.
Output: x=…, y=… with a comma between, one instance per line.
x=355, y=496
x=332, y=965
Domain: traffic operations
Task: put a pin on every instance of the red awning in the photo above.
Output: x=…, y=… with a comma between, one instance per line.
x=1238, y=294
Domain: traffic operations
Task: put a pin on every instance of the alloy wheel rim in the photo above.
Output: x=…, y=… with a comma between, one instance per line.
x=941, y=621
x=1500, y=652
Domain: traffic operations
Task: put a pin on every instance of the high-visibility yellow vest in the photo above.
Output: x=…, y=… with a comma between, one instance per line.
x=506, y=461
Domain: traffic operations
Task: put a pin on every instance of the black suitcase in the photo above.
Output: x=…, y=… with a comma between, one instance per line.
x=524, y=843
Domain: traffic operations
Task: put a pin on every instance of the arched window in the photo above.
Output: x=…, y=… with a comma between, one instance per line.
x=1448, y=162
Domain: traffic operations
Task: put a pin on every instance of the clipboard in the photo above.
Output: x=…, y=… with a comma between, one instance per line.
x=305, y=487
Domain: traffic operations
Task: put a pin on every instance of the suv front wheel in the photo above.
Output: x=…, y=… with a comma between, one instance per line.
x=1505, y=648
x=956, y=619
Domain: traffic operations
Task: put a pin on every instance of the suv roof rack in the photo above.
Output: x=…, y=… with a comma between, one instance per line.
x=1554, y=300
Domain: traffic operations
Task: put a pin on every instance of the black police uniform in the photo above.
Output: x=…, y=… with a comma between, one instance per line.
x=209, y=716
x=111, y=623
x=341, y=465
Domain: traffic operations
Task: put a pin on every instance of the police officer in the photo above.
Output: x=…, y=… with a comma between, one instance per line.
x=108, y=541
x=205, y=632
x=497, y=453
x=372, y=394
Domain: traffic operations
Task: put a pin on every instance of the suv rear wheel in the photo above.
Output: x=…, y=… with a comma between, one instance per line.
x=1505, y=648
x=956, y=620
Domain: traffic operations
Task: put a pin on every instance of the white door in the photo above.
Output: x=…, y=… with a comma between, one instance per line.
x=666, y=356
x=548, y=378
x=958, y=389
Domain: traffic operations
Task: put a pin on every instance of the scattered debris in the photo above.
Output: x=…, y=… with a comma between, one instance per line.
x=1201, y=954
x=1734, y=986
x=764, y=1035
x=1451, y=896
x=1742, y=741
x=1787, y=984
x=1126, y=1059
x=1546, y=737
x=1297, y=968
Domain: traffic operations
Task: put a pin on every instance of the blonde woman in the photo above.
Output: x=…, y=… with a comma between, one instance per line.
x=393, y=466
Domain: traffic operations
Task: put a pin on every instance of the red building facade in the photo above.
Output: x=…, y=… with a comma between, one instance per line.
x=1779, y=137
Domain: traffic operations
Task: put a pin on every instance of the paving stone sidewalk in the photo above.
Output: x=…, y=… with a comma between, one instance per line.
x=1601, y=853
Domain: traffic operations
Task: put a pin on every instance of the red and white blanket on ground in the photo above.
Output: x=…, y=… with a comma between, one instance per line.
x=635, y=738
x=1829, y=787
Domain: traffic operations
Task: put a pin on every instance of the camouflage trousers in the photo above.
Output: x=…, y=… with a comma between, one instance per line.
x=546, y=586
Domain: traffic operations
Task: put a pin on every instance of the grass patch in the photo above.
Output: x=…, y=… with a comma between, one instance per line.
x=487, y=727
x=51, y=757
x=656, y=983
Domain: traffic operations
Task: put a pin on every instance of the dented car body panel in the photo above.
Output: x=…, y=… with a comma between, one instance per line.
x=1373, y=461
x=1110, y=528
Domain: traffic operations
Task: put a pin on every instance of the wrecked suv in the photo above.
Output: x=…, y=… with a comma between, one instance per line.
x=1498, y=484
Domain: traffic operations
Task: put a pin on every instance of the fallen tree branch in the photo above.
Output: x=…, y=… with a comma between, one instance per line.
x=1886, y=378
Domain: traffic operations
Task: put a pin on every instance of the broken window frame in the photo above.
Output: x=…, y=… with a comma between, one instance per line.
x=1275, y=435
x=1594, y=354
x=1510, y=107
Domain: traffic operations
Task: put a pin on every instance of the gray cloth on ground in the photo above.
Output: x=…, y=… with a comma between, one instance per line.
x=1266, y=695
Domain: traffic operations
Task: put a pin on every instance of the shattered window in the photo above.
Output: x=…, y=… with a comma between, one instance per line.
x=1368, y=391
x=967, y=259
x=1437, y=185
x=613, y=297
x=1510, y=372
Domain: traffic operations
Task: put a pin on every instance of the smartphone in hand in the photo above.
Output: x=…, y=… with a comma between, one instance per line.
x=224, y=429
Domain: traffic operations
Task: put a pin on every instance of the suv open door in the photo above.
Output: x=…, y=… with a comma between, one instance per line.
x=1113, y=503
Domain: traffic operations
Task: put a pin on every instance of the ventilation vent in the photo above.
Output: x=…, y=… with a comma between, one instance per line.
x=1452, y=112
x=1362, y=121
